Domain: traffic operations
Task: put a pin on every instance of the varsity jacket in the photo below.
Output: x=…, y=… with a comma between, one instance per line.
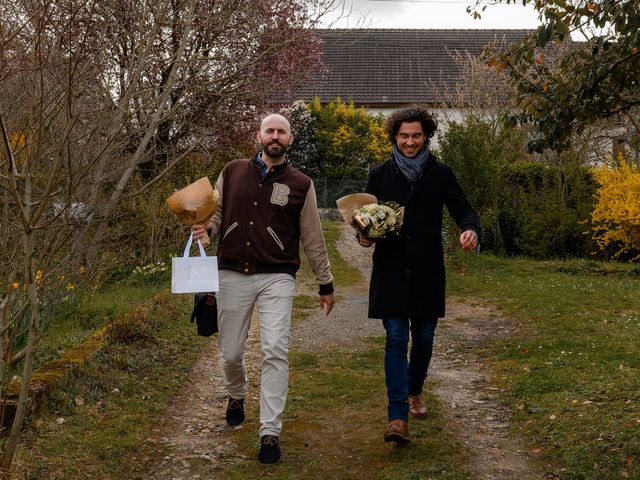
x=261, y=222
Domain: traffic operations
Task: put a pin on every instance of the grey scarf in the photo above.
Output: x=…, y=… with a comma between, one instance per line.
x=412, y=167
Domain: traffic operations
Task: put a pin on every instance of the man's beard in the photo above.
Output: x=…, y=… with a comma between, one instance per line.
x=275, y=149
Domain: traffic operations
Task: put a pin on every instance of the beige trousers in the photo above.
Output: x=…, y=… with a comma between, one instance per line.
x=272, y=294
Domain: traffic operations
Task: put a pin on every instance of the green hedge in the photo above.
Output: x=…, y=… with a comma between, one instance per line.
x=534, y=206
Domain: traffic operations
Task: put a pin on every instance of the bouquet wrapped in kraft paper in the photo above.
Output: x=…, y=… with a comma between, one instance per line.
x=195, y=204
x=371, y=218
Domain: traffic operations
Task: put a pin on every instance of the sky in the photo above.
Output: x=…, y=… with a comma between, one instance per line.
x=434, y=14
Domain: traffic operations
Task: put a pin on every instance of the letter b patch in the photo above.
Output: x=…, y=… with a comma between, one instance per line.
x=280, y=194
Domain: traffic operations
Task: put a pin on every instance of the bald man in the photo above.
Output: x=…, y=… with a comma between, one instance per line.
x=266, y=209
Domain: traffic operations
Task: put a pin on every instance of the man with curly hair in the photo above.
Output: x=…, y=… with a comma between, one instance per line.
x=407, y=287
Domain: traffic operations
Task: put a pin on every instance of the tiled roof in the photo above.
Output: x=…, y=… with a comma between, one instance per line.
x=378, y=67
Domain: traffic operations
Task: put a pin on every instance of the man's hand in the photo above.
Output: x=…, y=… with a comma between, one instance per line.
x=469, y=240
x=199, y=231
x=327, y=302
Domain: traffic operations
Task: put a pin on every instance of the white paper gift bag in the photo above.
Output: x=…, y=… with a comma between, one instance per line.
x=194, y=274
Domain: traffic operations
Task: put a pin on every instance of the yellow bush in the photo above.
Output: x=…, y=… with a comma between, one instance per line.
x=379, y=145
x=349, y=139
x=616, y=216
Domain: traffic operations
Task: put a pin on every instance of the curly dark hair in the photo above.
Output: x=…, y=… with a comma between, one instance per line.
x=415, y=113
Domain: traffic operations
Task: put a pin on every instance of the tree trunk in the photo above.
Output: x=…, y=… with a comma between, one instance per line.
x=27, y=373
x=32, y=339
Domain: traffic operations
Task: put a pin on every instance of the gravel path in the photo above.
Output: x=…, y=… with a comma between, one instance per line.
x=471, y=400
x=194, y=429
x=348, y=323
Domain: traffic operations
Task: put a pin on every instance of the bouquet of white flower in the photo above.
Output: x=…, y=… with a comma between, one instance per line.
x=378, y=220
x=372, y=219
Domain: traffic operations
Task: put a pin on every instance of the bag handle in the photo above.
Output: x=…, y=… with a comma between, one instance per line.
x=187, y=249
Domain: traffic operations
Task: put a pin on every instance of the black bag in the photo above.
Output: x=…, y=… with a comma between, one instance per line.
x=205, y=313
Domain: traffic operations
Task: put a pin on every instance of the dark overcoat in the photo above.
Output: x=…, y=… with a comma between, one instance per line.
x=408, y=276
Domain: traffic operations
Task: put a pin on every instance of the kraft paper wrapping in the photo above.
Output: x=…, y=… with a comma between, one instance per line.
x=195, y=204
x=349, y=203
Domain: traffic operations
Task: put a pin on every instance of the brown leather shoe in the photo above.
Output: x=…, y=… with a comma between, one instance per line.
x=417, y=409
x=397, y=431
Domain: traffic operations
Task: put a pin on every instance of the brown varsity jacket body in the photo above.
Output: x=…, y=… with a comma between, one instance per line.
x=261, y=222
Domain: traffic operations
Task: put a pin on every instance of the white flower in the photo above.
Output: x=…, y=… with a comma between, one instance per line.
x=378, y=220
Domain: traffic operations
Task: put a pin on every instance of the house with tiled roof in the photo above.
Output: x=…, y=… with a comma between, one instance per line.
x=383, y=70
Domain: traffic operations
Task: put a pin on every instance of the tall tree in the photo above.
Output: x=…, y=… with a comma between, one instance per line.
x=97, y=94
x=597, y=79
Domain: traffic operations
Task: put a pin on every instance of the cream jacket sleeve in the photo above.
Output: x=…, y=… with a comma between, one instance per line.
x=313, y=240
x=214, y=223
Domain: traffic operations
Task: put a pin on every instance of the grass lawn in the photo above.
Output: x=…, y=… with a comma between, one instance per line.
x=572, y=371
x=94, y=425
x=95, y=422
x=571, y=374
x=78, y=321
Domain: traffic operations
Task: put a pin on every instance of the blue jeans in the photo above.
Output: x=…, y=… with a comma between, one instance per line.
x=401, y=379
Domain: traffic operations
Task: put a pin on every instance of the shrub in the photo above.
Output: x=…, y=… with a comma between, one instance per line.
x=479, y=153
x=528, y=206
x=548, y=205
x=336, y=140
x=147, y=231
x=616, y=216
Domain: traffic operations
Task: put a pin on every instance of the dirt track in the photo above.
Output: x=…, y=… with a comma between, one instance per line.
x=194, y=429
